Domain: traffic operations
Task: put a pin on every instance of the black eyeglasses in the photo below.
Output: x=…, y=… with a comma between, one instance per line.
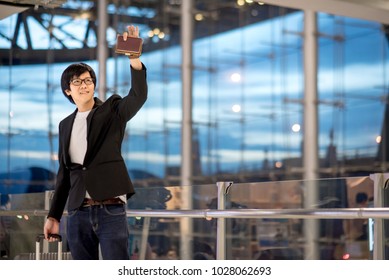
x=78, y=82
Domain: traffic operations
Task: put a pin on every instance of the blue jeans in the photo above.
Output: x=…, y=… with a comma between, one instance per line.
x=104, y=225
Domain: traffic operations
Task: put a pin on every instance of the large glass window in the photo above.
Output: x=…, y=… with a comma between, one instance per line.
x=248, y=88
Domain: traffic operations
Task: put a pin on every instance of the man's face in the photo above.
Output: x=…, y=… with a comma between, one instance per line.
x=82, y=90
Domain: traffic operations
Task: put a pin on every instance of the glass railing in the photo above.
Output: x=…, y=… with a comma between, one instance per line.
x=265, y=220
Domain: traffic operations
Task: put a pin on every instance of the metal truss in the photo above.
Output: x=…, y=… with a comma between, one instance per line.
x=218, y=16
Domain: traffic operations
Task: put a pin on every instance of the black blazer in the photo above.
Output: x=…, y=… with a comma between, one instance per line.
x=104, y=173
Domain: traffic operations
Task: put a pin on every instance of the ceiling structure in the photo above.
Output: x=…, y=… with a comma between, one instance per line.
x=9, y=7
x=218, y=16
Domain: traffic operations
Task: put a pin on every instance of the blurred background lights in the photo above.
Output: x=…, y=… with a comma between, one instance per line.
x=296, y=127
x=156, y=31
x=378, y=139
x=278, y=164
x=236, y=108
x=199, y=17
x=235, y=77
x=157, y=34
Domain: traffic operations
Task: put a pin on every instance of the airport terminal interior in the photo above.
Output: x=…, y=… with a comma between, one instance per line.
x=263, y=135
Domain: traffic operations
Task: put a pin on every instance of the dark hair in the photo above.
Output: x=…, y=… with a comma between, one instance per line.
x=75, y=70
x=361, y=197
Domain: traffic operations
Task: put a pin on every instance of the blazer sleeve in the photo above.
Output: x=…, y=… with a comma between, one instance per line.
x=62, y=185
x=137, y=96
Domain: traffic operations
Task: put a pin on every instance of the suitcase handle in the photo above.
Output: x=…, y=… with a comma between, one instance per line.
x=40, y=237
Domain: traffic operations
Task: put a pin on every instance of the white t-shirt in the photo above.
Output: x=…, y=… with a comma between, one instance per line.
x=78, y=142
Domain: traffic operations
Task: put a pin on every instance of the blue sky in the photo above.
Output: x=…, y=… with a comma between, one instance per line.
x=354, y=71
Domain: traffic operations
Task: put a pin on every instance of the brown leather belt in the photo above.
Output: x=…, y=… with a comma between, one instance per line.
x=90, y=202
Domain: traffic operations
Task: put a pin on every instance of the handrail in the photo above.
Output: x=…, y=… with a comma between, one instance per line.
x=379, y=212
x=322, y=213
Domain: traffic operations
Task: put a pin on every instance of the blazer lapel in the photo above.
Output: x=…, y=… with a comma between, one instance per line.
x=89, y=118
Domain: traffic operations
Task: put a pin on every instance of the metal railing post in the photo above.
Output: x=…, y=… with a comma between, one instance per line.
x=380, y=185
x=222, y=191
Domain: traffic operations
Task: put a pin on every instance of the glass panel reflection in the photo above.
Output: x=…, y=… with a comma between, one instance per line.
x=160, y=237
